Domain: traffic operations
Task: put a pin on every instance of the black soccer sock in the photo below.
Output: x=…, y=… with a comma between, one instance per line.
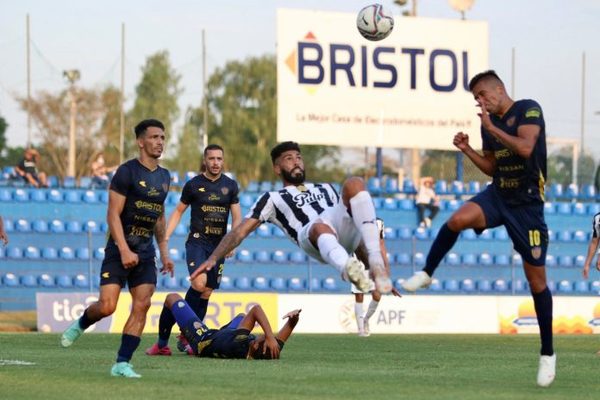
x=129, y=344
x=442, y=244
x=165, y=324
x=196, y=303
x=85, y=321
x=543, y=309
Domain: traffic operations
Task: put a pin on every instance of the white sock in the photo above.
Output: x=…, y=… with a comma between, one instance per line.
x=332, y=252
x=363, y=214
x=358, y=313
x=372, y=308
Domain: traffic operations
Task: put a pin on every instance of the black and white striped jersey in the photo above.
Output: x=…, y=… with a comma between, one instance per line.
x=292, y=207
x=596, y=226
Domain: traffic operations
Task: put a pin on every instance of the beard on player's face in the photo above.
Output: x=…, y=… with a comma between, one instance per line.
x=295, y=176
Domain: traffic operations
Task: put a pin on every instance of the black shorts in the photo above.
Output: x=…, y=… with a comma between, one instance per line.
x=113, y=272
x=195, y=254
x=525, y=224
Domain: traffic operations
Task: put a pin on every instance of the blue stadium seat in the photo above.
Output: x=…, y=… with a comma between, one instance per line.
x=516, y=259
x=104, y=197
x=9, y=226
x=226, y=283
x=563, y=208
x=264, y=231
x=556, y=190
x=441, y=187
x=72, y=196
x=82, y=253
x=518, y=286
x=242, y=283
x=549, y=208
x=374, y=186
x=175, y=181
x=391, y=185
x=175, y=254
x=90, y=197
x=408, y=187
x=389, y=203
x=433, y=232
x=485, y=259
x=28, y=281
x=473, y=187
x=32, y=253
x=66, y=253
x=468, y=234
x=99, y=253
x=53, y=181
x=39, y=226
x=500, y=234
x=389, y=232
x=252, y=187
x=500, y=285
x=277, y=284
x=10, y=280
x=467, y=285
x=588, y=192
x=595, y=287
x=262, y=256
x=189, y=175
x=45, y=280
x=5, y=195
x=1, y=252
x=330, y=284
x=172, y=198
x=502, y=260
x=170, y=282
x=184, y=282
x=279, y=256
x=457, y=188
x=451, y=285
x=278, y=185
x=265, y=186
x=579, y=261
x=277, y=232
x=49, y=253
x=297, y=256
x=21, y=195
x=246, y=200
x=469, y=259
x=73, y=227
x=452, y=259
x=593, y=208
x=406, y=205
x=550, y=260
x=484, y=286
x=260, y=283
x=580, y=236
x=436, y=285
x=572, y=191
x=377, y=202
x=55, y=196
x=486, y=235
x=578, y=209
x=565, y=286
x=69, y=182
x=403, y=258
x=22, y=225
x=314, y=284
x=295, y=284
x=81, y=281
x=57, y=226
x=180, y=230
x=38, y=196
x=85, y=182
x=419, y=259
x=421, y=233
x=96, y=281
x=243, y=255
x=404, y=233
x=452, y=205
x=582, y=287
x=64, y=281
x=91, y=226
x=565, y=261
x=15, y=253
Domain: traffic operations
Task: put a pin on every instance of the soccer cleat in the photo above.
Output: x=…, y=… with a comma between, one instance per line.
x=158, y=351
x=420, y=280
x=366, y=327
x=182, y=343
x=188, y=350
x=547, y=370
x=354, y=270
x=71, y=334
x=124, y=369
x=363, y=334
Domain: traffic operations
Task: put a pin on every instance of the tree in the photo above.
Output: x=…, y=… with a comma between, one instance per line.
x=3, y=126
x=156, y=97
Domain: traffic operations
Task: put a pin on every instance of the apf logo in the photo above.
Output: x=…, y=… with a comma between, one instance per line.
x=313, y=63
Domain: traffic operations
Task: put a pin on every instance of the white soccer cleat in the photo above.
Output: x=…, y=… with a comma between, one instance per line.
x=547, y=370
x=383, y=283
x=420, y=280
x=354, y=270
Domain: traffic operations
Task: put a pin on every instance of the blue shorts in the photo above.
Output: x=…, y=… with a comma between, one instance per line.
x=525, y=224
x=195, y=254
x=113, y=272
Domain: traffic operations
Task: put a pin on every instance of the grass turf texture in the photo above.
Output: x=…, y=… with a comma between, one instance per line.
x=312, y=367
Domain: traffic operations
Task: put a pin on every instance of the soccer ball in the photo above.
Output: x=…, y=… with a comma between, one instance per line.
x=374, y=22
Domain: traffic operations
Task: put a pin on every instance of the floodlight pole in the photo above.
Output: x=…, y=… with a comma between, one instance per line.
x=72, y=76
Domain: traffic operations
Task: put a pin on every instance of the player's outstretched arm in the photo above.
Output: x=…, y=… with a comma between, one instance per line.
x=286, y=331
x=228, y=243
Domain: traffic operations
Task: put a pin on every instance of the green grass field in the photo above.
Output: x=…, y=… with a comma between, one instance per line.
x=312, y=367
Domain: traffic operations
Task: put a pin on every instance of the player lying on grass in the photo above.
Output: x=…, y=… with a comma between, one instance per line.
x=233, y=340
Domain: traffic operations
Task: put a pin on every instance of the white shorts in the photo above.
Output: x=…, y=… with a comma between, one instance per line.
x=338, y=219
x=355, y=290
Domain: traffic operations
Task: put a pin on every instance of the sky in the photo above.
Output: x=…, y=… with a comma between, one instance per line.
x=549, y=38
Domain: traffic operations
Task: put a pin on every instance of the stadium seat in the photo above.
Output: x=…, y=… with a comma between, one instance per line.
x=374, y=186
x=421, y=233
x=580, y=236
x=39, y=226
x=550, y=260
x=170, y=282
x=85, y=182
x=330, y=284
x=500, y=234
x=38, y=195
x=563, y=208
x=468, y=234
x=10, y=280
x=579, y=261
x=467, y=285
x=90, y=197
x=402, y=258
x=82, y=253
x=572, y=191
x=49, y=253
x=1, y=252
x=377, y=202
x=406, y=204
x=265, y=186
x=595, y=287
x=486, y=235
x=441, y=187
x=32, y=253
x=81, y=281
x=175, y=181
x=28, y=281
x=278, y=185
x=295, y=284
x=53, y=181
x=518, y=286
x=578, y=209
x=277, y=284
x=564, y=286
x=262, y=256
x=436, y=285
x=485, y=259
x=73, y=227
x=66, y=253
x=389, y=232
x=500, y=285
x=16, y=253
x=469, y=259
x=277, y=232
x=297, y=256
x=404, y=233
x=314, y=284
x=264, y=231
x=582, y=287
x=189, y=175
x=452, y=259
x=242, y=283
x=99, y=253
x=21, y=196
x=484, y=286
x=22, y=225
x=57, y=226
x=451, y=285
x=252, y=187
x=593, y=208
x=72, y=196
x=64, y=281
x=419, y=259
x=473, y=187
x=408, y=186
x=226, y=283
x=549, y=208
x=516, y=259
x=279, y=256
x=502, y=260
x=69, y=182
x=588, y=192
x=55, y=196
x=260, y=283
x=556, y=190
x=457, y=188
x=91, y=226
x=103, y=197
x=244, y=256
x=565, y=261
x=5, y=195
x=45, y=280
x=391, y=185
x=9, y=226
x=246, y=200
x=389, y=203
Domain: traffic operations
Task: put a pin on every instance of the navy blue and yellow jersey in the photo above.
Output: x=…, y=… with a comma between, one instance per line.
x=224, y=343
x=145, y=193
x=210, y=202
x=518, y=180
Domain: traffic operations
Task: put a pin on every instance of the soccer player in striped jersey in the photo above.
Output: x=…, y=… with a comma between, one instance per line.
x=327, y=226
x=593, y=246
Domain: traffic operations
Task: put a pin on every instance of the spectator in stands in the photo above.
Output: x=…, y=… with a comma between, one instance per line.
x=135, y=216
x=100, y=172
x=362, y=318
x=212, y=196
x=514, y=153
x=27, y=169
x=3, y=235
x=427, y=200
x=593, y=246
x=233, y=340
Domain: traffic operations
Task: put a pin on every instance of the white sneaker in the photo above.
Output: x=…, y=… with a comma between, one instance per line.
x=428, y=222
x=354, y=270
x=363, y=334
x=366, y=327
x=547, y=370
x=420, y=280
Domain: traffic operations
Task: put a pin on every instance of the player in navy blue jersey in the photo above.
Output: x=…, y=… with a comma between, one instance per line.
x=514, y=155
x=233, y=340
x=211, y=195
x=135, y=215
